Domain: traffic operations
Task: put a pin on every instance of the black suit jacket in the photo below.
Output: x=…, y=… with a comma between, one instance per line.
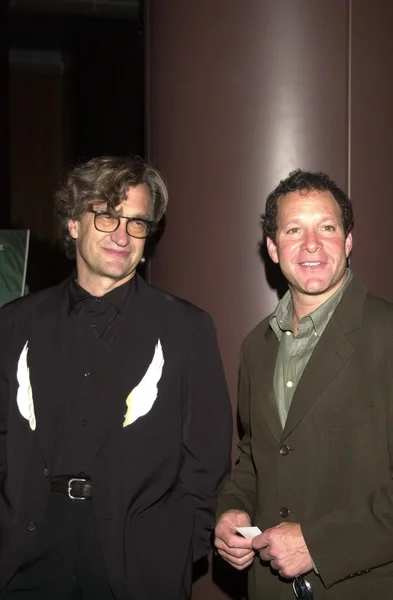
x=155, y=481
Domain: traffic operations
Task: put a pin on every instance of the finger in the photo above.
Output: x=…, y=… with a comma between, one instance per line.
x=259, y=542
x=232, y=540
x=238, y=562
x=265, y=554
x=236, y=553
x=275, y=565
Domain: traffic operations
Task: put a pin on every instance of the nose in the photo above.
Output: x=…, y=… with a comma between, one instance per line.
x=311, y=241
x=120, y=236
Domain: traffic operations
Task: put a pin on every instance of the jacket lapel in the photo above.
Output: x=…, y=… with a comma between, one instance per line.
x=330, y=355
x=47, y=362
x=264, y=365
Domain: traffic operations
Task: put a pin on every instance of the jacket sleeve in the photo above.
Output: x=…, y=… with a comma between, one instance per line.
x=240, y=493
x=207, y=432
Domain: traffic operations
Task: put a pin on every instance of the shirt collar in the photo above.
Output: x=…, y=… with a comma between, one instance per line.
x=116, y=297
x=281, y=318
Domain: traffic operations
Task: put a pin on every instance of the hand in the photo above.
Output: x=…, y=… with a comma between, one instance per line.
x=233, y=547
x=285, y=548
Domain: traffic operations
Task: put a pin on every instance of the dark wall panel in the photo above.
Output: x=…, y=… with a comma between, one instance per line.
x=5, y=212
x=239, y=94
x=372, y=142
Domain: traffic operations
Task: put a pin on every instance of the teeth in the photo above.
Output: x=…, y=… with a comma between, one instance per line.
x=310, y=264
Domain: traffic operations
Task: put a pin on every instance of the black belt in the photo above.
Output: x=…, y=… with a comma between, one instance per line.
x=77, y=488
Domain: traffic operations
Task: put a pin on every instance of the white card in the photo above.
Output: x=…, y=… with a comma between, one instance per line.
x=249, y=532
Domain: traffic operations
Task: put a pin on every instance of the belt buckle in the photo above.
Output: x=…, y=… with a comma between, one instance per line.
x=70, y=482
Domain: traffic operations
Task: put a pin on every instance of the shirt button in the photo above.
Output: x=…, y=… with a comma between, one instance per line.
x=31, y=526
x=93, y=325
x=284, y=450
x=288, y=332
x=87, y=374
x=284, y=512
x=289, y=384
x=84, y=423
x=46, y=472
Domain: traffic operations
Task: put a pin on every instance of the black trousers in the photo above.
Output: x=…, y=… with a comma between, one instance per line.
x=66, y=562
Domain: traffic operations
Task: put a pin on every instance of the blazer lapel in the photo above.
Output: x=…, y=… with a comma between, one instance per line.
x=264, y=365
x=47, y=363
x=330, y=355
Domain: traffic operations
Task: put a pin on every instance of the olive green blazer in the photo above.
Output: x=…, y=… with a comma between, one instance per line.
x=330, y=469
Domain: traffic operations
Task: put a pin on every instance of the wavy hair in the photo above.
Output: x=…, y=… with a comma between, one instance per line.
x=106, y=179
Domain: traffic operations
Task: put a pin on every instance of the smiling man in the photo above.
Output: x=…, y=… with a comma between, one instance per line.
x=315, y=402
x=115, y=422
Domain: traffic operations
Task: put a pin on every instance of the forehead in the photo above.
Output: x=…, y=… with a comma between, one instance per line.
x=308, y=204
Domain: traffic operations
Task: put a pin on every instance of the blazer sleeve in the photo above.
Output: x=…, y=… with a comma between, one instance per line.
x=240, y=493
x=207, y=432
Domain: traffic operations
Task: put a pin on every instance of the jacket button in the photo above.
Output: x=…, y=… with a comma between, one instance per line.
x=284, y=512
x=46, y=472
x=31, y=526
x=284, y=450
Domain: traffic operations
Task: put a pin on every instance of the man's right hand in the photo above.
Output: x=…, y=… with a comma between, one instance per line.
x=233, y=547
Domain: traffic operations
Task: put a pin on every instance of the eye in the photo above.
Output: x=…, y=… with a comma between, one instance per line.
x=104, y=217
x=329, y=228
x=294, y=230
x=137, y=225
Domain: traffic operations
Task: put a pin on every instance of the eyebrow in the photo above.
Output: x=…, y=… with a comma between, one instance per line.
x=136, y=216
x=297, y=221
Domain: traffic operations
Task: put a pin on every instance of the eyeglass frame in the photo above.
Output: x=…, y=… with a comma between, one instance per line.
x=305, y=592
x=148, y=222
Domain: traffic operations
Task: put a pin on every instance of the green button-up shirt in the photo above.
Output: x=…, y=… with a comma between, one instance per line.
x=294, y=352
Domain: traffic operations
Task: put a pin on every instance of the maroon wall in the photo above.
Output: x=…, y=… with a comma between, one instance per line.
x=371, y=135
x=239, y=94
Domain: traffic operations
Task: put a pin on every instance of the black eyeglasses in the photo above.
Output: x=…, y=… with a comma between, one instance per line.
x=136, y=227
x=302, y=588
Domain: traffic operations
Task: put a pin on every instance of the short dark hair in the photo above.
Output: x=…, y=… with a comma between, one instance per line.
x=106, y=179
x=305, y=181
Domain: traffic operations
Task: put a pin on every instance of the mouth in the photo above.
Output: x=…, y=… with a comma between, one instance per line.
x=117, y=253
x=311, y=264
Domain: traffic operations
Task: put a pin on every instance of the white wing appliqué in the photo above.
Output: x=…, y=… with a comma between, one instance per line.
x=24, y=396
x=142, y=397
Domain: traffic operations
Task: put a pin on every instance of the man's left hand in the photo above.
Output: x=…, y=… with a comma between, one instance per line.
x=284, y=547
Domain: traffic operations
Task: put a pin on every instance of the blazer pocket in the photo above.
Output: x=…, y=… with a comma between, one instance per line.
x=344, y=419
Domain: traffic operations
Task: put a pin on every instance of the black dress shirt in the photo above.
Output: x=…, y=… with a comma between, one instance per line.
x=92, y=327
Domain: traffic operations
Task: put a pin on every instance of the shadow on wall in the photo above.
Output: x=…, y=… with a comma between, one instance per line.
x=274, y=276
x=233, y=583
x=47, y=264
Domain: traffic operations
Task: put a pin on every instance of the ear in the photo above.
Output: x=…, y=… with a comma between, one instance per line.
x=73, y=228
x=348, y=245
x=272, y=249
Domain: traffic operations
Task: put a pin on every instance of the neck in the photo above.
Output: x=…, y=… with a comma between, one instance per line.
x=100, y=286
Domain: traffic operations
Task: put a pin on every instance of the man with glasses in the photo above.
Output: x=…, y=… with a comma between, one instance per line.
x=315, y=468
x=115, y=422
